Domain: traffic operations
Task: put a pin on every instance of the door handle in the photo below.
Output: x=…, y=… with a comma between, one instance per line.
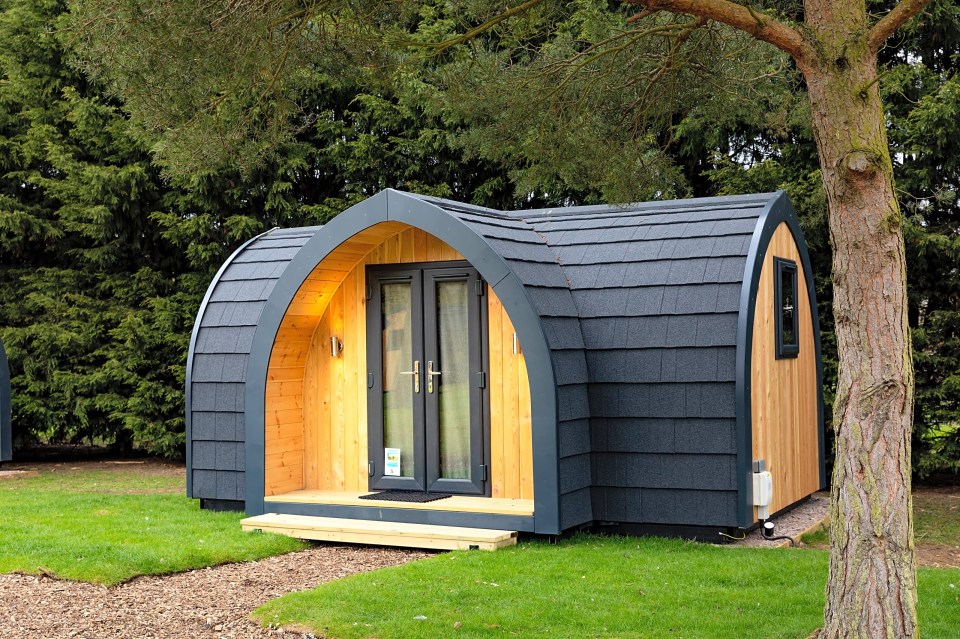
x=416, y=376
x=430, y=375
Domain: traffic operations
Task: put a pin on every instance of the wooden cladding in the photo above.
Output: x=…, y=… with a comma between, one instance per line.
x=511, y=436
x=784, y=391
x=316, y=405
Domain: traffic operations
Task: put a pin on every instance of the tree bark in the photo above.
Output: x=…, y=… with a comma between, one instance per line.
x=871, y=591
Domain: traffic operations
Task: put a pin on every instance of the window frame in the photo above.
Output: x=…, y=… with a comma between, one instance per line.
x=782, y=266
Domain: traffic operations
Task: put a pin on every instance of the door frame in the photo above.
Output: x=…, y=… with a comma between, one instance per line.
x=375, y=466
x=426, y=455
x=479, y=468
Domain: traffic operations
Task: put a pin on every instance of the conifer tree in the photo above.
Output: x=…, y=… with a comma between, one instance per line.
x=835, y=45
x=105, y=255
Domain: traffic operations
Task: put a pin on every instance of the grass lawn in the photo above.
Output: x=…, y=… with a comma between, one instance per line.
x=594, y=587
x=936, y=519
x=108, y=524
x=936, y=516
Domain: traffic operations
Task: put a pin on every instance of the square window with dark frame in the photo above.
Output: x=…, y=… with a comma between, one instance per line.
x=785, y=308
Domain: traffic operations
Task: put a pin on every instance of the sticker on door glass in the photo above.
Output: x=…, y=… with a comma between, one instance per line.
x=391, y=464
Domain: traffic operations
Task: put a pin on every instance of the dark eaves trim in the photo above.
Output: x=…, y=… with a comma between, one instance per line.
x=778, y=210
x=419, y=212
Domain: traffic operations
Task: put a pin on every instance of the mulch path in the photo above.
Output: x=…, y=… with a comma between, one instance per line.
x=212, y=603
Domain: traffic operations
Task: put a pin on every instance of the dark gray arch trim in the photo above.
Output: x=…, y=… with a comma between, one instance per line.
x=390, y=205
x=777, y=211
x=188, y=394
x=6, y=436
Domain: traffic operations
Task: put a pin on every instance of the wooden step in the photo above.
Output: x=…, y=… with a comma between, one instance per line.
x=381, y=533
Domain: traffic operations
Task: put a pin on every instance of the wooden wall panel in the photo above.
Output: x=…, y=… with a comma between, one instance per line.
x=331, y=450
x=283, y=421
x=784, y=393
x=286, y=467
x=511, y=434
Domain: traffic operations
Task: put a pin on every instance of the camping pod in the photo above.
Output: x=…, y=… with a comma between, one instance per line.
x=6, y=438
x=654, y=366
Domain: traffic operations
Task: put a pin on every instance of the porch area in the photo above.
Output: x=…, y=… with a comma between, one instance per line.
x=339, y=398
x=381, y=533
x=454, y=503
x=456, y=522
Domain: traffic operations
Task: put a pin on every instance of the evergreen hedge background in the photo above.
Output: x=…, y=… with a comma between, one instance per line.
x=104, y=256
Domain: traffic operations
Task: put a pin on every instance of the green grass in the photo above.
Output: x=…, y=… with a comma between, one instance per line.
x=101, y=479
x=594, y=587
x=820, y=538
x=106, y=526
x=936, y=518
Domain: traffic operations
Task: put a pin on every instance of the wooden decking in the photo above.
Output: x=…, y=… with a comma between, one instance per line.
x=381, y=533
x=457, y=503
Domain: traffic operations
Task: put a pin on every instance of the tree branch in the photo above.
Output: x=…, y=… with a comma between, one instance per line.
x=889, y=23
x=759, y=25
x=486, y=26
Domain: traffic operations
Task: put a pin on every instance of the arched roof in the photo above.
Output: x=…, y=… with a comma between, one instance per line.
x=657, y=289
x=217, y=360
x=622, y=310
x=495, y=245
x=778, y=210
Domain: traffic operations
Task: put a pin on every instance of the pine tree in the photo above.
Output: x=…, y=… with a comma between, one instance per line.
x=83, y=269
x=105, y=255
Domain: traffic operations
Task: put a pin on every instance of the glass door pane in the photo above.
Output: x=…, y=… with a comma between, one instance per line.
x=395, y=379
x=399, y=378
x=452, y=382
x=454, y=428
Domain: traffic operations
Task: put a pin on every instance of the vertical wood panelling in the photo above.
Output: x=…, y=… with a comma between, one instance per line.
x=497, y=382
x=325, y=433
x=286, y=439
x=312, y=402
x=511, y=437
x=525, y=428
x=784, y=393
x=334, y=383
x=510, y=393
x=284, y=446
x=349, y=383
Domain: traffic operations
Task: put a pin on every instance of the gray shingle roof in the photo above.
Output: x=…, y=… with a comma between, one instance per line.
x=639, y=305
x=656, y=290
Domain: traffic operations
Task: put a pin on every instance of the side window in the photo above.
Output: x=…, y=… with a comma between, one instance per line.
x=785, y=307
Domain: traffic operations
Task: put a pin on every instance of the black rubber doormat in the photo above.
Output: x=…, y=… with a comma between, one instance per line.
x=410, y=496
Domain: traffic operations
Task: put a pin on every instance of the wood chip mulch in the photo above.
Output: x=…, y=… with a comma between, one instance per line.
x=212, y=603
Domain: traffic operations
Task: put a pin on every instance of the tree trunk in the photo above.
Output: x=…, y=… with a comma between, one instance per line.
x=871, y=592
